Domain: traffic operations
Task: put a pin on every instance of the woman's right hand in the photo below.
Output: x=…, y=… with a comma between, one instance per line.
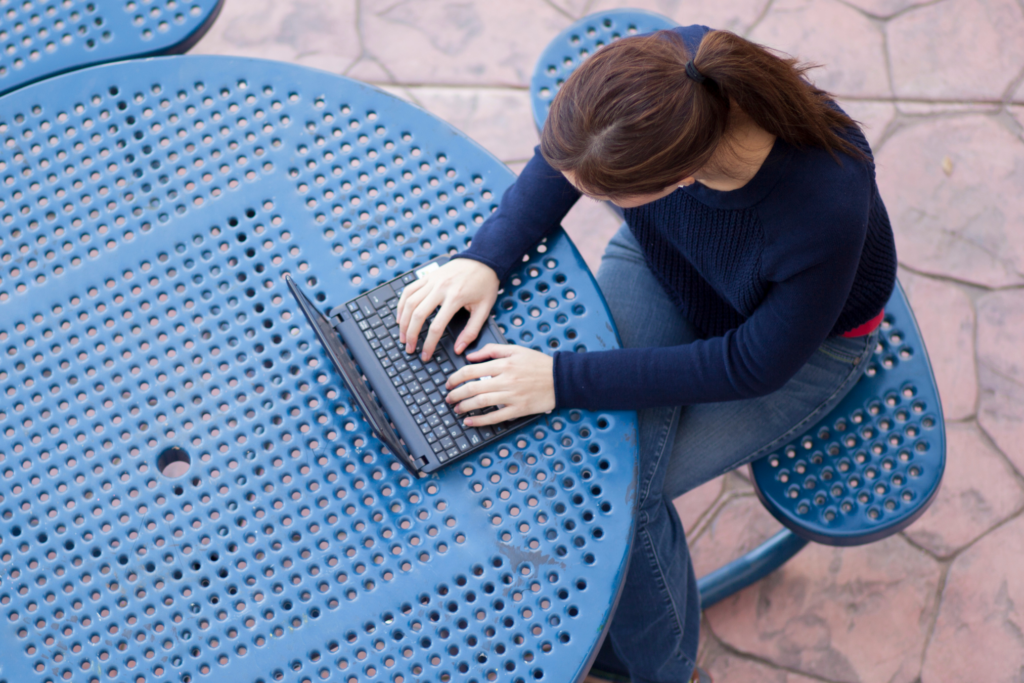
x=460, y=283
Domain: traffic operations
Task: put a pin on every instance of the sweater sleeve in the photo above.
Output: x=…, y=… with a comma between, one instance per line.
x=811, y=271
x=531, y=207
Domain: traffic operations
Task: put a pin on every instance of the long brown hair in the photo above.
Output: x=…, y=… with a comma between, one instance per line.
x=631, y=121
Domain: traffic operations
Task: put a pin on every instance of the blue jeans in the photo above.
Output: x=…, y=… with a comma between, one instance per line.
x=653, y=634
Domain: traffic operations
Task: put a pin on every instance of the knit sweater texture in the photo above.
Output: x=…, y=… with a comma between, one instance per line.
x=766, y=273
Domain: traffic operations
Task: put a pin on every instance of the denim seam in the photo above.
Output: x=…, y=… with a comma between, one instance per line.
x=643, y=518
x=663, y=433
x=652, y=557
x=853, y=375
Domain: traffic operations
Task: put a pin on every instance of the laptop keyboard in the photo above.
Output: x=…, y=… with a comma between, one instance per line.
x=420, y=384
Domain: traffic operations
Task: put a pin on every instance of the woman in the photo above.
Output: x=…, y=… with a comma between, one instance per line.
x=746, y=283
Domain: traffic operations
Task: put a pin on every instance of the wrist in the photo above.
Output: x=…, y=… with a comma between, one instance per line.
x=559, y=394
x=497, y=269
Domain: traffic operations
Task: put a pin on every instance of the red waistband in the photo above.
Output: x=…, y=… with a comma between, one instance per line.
x=867, y=328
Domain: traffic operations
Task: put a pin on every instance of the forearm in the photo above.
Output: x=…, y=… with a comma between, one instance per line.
x=755, y=359
x=632, y=379
x=531, y=208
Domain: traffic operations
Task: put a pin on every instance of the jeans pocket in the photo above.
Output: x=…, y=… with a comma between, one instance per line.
x=849, y=350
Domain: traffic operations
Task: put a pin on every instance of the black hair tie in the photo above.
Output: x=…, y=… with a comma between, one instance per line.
x=691, y=71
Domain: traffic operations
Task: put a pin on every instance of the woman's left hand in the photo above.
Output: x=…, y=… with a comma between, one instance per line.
x=520, y=380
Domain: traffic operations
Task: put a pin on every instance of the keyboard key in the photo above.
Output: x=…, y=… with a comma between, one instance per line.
x=374, y=321
x=486, y=432
x=448, y=442
x=474, y=438
x=407, y=376
x=353, y=306
x=421, y=420
x=462, y=443
x=448, y=420
x=452, y=452
x=392, y=373
x=455, y=431
x=394, y=354
x=430, y=436
x=436, y=446
x=401, y=365
x=379, y=297
x=389, y=320
x=408, y=277
x=364, y=326
x=374, y=343
x=415, y=364
x=434, y=420
x=439, y=379
x=366, y=307
x=402, y=389
x=380, y=353
x=420, y=397
x=422, y=376
x=414, y=409
x=428, y=386
x=440, y=432
x=447, y=368
x=432, y=367
x=408, y=399
x=414, y=386
x=388, y=342
x=435, y=398
x=358, y=315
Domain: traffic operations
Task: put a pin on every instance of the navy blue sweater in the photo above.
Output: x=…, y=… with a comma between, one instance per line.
x=766, y=273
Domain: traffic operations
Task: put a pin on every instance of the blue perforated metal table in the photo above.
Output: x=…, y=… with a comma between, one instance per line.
x=187, y=491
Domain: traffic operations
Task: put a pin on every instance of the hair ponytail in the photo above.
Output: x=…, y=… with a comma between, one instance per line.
x=772, y=91
x=631, y=120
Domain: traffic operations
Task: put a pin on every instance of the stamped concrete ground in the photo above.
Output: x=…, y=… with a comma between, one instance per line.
x=939, y=88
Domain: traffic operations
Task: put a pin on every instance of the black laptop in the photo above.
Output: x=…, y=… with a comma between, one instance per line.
x=401, y=396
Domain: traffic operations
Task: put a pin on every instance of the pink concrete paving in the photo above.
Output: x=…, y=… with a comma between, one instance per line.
x=939, y=87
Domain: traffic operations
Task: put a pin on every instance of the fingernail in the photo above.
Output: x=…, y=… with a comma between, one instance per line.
x=469, y=422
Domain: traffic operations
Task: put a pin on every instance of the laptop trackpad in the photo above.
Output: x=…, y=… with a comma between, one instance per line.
x=455, y=327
